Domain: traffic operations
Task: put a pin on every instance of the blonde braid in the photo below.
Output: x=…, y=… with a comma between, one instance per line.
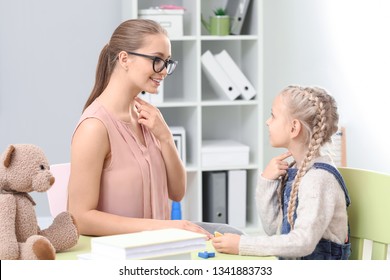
x=316, y=141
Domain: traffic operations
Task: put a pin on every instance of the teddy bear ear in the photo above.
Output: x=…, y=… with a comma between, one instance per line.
x=8, y=155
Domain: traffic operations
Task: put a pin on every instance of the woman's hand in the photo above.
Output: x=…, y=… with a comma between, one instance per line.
x=151, y=117
x=228, y=243
x=276, y=167
x=186, y=225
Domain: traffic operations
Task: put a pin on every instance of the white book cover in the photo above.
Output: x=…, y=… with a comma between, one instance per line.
x=147, y=244
x=218, y=78
x=174, y=256
x=232, y=70
x=237, y=198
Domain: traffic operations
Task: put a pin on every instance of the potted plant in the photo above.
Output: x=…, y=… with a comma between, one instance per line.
x=219, y=23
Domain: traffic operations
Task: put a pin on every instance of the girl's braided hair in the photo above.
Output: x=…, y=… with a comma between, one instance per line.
x=317, y=112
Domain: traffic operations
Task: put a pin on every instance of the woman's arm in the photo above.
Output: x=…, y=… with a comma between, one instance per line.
x=176, y=173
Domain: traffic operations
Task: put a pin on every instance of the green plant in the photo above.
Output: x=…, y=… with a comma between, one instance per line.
x=220, y=12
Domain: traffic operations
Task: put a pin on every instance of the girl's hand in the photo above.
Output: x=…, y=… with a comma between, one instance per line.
x=228, y=243
x=276, y=167
x=151, y=117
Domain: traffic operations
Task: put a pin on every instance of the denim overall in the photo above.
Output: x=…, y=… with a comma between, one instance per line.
x=325, y=249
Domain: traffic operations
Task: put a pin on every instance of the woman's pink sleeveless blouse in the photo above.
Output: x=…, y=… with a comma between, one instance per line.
x=134, y=183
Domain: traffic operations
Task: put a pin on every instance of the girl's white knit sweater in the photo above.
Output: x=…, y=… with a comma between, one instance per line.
x=321, y=213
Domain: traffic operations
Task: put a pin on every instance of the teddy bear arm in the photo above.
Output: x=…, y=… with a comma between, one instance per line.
x=62, y=233
x=9, y=248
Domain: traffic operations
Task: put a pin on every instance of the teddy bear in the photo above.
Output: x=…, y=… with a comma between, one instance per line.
x=24, y=168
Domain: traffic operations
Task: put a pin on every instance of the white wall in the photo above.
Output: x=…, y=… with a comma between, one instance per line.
x=48, y=55
x=344, y=46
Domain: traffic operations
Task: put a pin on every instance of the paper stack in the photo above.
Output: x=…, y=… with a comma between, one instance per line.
x=155, y=244
x=226, y=77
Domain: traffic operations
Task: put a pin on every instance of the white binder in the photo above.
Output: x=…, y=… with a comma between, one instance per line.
x=153, y=98
x=144, y=96
x=235, y=74
x=218, y=78
x=237, y=198
x=237, y=9
x=157, y=98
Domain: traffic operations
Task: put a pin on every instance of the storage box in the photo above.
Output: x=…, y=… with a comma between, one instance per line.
x=170, y=19
x=224, y=153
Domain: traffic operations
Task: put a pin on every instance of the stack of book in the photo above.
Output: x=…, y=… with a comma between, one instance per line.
x=225, y=77
x=171, y=244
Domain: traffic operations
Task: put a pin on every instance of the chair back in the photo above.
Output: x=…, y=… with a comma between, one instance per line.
x=58, y=193
x=369, y=211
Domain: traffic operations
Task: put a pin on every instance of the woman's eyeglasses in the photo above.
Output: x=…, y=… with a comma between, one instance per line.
x=158, y=63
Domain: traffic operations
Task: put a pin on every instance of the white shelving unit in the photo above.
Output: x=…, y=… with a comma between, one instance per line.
x=189, y=100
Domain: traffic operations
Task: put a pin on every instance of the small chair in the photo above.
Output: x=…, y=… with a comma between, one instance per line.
x=369, y=211
x=58, y=193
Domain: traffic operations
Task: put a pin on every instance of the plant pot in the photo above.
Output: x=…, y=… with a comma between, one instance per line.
x=220, y=25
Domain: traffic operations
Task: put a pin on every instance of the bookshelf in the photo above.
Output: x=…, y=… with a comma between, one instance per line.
x=189, y=100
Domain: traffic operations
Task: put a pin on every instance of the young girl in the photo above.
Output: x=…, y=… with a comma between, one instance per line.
x=305, y=201
x=124, y=163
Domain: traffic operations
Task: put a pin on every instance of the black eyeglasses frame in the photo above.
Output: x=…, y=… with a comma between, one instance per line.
x=169, y=64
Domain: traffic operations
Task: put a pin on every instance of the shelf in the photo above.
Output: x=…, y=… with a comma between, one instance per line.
x=229, y=103
x=176, y=103
x=229, y=38
x=231, y=167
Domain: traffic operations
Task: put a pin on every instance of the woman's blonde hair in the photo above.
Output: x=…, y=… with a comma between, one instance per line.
x=317, y=112
x=129, y=36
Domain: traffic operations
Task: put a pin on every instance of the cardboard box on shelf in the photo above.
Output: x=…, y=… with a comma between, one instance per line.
x=170, y=19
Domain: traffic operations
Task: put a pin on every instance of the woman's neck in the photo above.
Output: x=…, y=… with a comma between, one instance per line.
x=119, y=99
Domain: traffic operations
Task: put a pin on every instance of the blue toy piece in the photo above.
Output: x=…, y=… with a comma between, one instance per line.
x=206, y=255
x=176, y=211
x=211, y=254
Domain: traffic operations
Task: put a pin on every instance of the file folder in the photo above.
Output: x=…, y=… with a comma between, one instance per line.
x=237, y=198
x=237, y=9
x=153, y=98
x=232, y=70
x=215, y=197
x=218, y=78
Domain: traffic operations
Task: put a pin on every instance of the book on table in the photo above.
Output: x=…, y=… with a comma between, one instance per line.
x=153, y=244
x=176, y=256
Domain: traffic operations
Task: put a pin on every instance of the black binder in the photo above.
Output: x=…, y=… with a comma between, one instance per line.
x=215, y=197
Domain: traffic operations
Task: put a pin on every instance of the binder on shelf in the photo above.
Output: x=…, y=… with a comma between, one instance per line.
x=215, y=197
x=157, y=98
x=218, y=78
x=237, y=198
x=237, y=9
x=144, y=96
x=246, y=89
x=179, y=137
x=153, y=98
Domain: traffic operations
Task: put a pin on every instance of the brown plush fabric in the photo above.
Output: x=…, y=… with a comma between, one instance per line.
x=24, y=168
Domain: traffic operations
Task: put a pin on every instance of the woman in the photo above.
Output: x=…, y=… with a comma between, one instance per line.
x=124, y=163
